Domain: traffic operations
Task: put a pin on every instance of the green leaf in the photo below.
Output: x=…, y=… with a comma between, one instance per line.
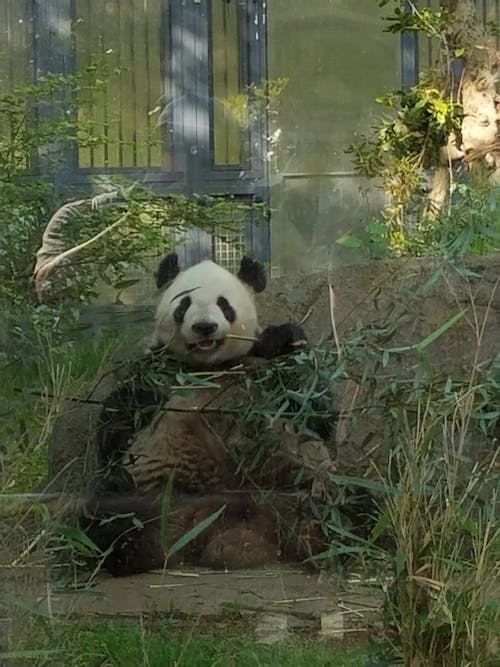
x=399, y=350
x=440, y=331
x=362, y=482
x=350, y=535
x=194, y=532
x=470, y=526
x=9, y=598
x=400, y=562
x=377, y=228
x=283, y=408
x=79, y=539
x=432, y=280
x=425, y=342
x=30, y=655
x=110, y=519
x=382, y=526
x=124, y=284
x=350, y=241
x=490, y=416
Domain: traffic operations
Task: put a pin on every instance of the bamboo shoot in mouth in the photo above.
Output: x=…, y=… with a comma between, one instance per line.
x=236, y=337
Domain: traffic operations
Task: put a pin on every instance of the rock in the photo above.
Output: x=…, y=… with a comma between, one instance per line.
x=418, y=295
x=410, y=300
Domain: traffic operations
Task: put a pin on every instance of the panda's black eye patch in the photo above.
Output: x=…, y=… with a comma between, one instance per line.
x=181, y=310
x=227, y=309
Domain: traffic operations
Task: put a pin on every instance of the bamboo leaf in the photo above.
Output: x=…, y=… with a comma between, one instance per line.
x=440, y=331
x=125, y=284
x=80, y=540
x=194, y=532
x=362, y=482
x=350, y=241
x=25, y=605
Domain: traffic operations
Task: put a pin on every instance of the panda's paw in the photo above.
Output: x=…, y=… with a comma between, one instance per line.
x=279, y=339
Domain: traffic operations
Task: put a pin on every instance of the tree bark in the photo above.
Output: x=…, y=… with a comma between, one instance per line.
x=478, y=143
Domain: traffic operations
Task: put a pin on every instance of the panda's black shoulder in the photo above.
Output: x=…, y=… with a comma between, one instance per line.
x=276, y=340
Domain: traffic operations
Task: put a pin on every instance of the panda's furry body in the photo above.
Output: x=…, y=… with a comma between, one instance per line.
x=207, y=319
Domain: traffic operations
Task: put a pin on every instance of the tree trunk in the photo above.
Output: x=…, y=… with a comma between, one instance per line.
x=478, y=143
x=439, y=192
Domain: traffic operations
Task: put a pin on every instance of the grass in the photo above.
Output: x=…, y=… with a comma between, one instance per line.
x=32, y=391
x=441, y=513
x=131, y=643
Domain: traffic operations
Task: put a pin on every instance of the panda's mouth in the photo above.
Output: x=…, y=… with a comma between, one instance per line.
x=206, y=344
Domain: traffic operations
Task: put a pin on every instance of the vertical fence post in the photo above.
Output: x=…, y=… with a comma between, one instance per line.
x=409, y=55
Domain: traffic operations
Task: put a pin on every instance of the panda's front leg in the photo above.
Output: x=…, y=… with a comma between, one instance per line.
x=279, y=339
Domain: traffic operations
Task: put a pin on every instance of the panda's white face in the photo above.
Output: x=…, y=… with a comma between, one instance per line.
x=202, y=307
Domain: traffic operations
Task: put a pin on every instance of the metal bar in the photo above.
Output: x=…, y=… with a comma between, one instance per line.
x=133, y=66
x=409, y=56
x=322, y=174
x=148, y=83
x=255, y=62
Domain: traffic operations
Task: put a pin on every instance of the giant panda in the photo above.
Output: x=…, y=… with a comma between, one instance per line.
x=206, y=321
x=207, y=316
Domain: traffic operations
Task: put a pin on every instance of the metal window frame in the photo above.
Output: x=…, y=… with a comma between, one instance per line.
x=188, y=78
x=409, y=55
x=193, y=163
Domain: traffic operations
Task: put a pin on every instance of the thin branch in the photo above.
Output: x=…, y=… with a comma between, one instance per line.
x=331, y=294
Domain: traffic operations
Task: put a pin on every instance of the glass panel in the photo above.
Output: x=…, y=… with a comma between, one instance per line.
x=128, y=35
x=336, y=60
x=14, y=54
x=227, y=82
x=14, y=38
x=427, y=46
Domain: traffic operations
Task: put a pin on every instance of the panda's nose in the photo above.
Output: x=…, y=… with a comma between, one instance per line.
x=204, y=328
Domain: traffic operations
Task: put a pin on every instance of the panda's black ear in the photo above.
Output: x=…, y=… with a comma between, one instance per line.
x=253, y=274
x=168, y=269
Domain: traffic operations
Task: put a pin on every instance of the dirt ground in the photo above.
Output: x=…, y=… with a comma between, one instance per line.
x=276, y=601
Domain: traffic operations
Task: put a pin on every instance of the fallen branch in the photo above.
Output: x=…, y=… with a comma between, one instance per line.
x=51, y=254
x=331, y=299
x=44, y=272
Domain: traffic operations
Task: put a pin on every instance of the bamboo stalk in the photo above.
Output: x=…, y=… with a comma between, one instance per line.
x=237, y=337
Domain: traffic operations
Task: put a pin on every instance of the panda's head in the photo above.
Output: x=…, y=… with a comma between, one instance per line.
x=207, y=315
